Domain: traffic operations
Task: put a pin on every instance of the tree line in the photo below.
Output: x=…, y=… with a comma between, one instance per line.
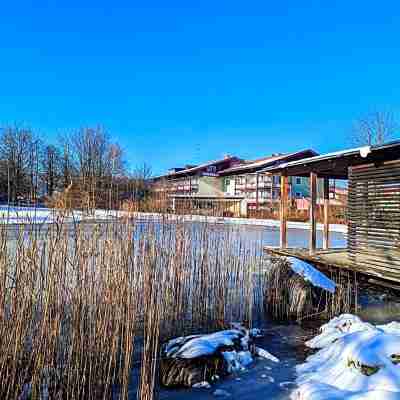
x=32, y=169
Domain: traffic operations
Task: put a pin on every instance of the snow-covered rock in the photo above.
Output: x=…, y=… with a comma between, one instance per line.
x=356, y=361
x=205, y=345
x=191, y=360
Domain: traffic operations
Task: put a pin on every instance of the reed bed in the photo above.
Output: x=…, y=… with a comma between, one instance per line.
x=289, y=297
x=80, y=304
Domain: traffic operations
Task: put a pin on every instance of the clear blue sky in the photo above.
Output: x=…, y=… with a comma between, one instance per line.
x=185, y=81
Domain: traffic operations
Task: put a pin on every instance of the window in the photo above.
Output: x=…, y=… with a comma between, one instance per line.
x=276, y=179
x=240, y=180
x=298, y=181
x=265, y=178
x=251, y=180
x=265, y=194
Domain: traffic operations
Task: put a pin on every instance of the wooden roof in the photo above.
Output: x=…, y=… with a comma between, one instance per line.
x=336, y=165
x=262, y=163
x=193, y=170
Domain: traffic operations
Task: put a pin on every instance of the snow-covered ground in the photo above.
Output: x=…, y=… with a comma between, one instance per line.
x=237, y=221
x=24, y=215
x=355, y=360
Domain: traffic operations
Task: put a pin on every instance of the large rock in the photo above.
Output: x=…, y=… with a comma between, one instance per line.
x=191, y=360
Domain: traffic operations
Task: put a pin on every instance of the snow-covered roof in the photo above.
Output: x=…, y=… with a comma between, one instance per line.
x=327, y=156
x=264, y=162
x=363, y=152
x=186, y=171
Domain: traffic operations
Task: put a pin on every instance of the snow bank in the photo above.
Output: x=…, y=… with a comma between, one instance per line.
x=356, y=360
x=237, y=221
x=32, y=215
x=311, y=274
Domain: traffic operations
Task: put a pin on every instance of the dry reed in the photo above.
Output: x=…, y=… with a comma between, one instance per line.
x=289, y=297
x=75, y=298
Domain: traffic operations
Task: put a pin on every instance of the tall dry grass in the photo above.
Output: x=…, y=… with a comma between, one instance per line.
x=81, y=303
x=289, y=297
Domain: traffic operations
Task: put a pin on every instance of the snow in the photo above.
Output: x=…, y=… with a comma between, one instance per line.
x=234, y=345
x=236, y=221
x=202, y=385
x=205, y=345
x=356, y=360
x=265, y=354
x=237, y=361
x=337, y=328
x=24, y=215
x=38, y=215
x=311, y=274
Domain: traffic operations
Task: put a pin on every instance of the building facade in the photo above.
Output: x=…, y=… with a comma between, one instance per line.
x=234, y=177
x=198, y=180
x=260, y=187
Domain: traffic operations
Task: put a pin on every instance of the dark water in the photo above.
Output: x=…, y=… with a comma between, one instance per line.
x=266, y=379
x=269, y=380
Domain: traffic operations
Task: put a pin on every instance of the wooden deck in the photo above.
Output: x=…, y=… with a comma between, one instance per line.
x=336, y=258
x=332, y=258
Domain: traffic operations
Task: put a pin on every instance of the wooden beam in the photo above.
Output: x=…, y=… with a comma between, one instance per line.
x=313, y=214
x=284, y=211
x=326, y=214
x=257, y=183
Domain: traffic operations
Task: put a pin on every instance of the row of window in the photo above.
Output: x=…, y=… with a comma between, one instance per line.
x=263, y=194
x=252, y=180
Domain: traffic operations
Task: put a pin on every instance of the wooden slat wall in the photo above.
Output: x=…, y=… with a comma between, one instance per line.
x=374, y=219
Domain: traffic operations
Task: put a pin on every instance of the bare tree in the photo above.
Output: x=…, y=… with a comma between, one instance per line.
x=374, y=128
x=3, y=181
x=87, y=159
x=19, y=154
x=67, y=165
x=94, y=155
x=141, y=175
x=51, y=168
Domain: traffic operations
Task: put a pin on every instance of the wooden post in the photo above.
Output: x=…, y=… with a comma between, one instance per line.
x=173, y=204
x=284, y=211
x=326, y=214
x=313, y=209
x=257, y=178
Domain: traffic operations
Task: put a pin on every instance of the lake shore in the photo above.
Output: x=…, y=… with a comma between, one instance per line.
x=26, y=215
x=237, y=221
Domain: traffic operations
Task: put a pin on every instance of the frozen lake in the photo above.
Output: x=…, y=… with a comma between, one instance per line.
x=264, y=379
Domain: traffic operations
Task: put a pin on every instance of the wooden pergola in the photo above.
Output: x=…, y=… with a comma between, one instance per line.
x=330, y=166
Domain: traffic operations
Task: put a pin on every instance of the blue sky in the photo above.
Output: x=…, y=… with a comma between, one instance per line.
x=184, y=81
